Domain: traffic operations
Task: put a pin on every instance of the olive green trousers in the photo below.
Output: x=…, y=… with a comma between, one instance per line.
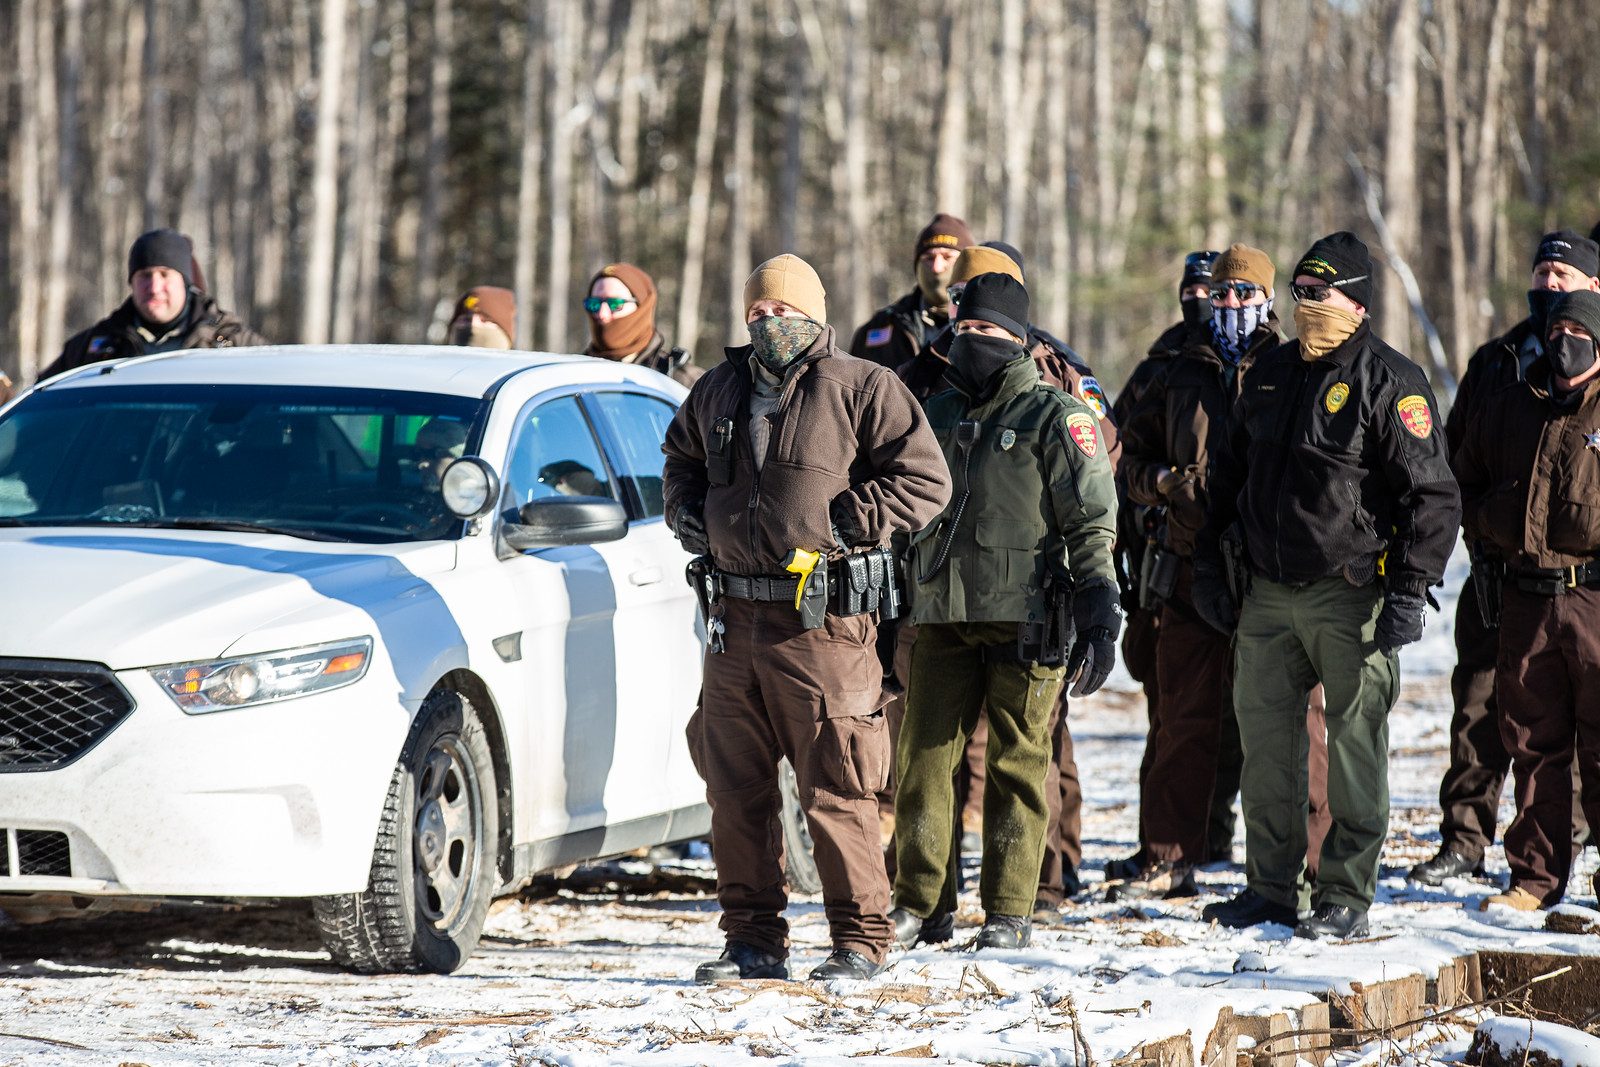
x=1290, y=638
x=956, y=670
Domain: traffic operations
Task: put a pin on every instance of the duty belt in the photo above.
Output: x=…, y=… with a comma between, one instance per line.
x=1556, y=581
x=758, y=587
x=857, y=583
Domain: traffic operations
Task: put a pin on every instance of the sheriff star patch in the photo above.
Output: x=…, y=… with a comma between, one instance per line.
x=1337, y=394
x=1415, y=416
x=1094, y=396
x=1591, y=441
x=880, y=336
x=1080, y=428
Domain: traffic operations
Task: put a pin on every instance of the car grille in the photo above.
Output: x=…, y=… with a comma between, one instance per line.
x=53, y=711
x=43, y=852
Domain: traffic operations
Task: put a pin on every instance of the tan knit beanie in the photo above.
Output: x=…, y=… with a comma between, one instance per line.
x=790, y=279
x=1241, y=263
x=980, y=259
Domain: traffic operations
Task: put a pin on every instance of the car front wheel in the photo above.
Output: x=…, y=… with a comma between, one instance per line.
x=433, y=864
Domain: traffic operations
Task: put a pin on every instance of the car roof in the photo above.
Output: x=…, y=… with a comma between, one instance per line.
x=449, y=369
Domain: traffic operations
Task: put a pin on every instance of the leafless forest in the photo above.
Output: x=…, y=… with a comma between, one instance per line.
x=347, y=167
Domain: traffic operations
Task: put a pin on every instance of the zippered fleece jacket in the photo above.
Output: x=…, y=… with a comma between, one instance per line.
x=1332, y=462
x=846, y=434
x=1041, y=496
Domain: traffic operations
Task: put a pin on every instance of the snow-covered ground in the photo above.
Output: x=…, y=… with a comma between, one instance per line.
x=596, y=970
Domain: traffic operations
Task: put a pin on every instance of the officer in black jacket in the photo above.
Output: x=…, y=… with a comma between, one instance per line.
x=1333, y=473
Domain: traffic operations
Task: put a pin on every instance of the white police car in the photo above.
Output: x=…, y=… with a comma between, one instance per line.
x=393, y=628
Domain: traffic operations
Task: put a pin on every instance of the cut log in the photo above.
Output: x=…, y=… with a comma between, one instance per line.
x=1379, y=1006
x=1222, y=1044
x=1569, y=998
x=1270, y=1050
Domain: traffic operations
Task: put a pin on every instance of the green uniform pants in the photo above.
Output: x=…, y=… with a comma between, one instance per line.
x=1290, y=638
x=952, y=679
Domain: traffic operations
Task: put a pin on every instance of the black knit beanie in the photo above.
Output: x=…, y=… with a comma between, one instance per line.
x=1582, y=306
x=1197, y=269
x=997, y=298
x=1342, y=261
x=1566, y=246
x=162, y=248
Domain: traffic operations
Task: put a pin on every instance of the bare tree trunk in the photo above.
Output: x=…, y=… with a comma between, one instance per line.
x=1105, y=129
x=1058, y=276
x=431, y=307
x=532, y=160
x=949, y=165
x=565, y=32
x=1213, y=41
x=249, y=185
x=1127, y=200
x=155, y=131
x=361, y=120
x=324, y=178
x=740, y=178
x=1538, y=37
x=1290, y=235
x=633, y=42
x=1449, y=66
x=1185, y=180
x=1402, y=209
x=793, y=143
x=694, y=245
x=1486, y=168
x=28, y=194
x=858, y=203
x=65, y=87
x=1012, y=193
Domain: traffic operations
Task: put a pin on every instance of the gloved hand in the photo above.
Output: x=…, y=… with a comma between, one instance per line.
x=1209, y=591
x=689, y=527
x=1097, y=615
x=1400, y=621
x=1170, y=481
x=846, y=534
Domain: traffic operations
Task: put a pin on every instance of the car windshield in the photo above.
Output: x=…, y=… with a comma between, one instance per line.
x=321, y=463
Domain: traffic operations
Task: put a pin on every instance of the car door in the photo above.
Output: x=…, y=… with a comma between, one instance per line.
x=598, y=743
x=662, y=638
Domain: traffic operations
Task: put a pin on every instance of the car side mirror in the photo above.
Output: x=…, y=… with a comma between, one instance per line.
x=566, y=520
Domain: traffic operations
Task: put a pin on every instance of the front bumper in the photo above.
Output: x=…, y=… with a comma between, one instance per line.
x=279, y=800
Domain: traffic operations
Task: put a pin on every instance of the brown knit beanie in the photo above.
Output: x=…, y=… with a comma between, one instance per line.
x=630, y=334
x=790, y=279
x=945, y=231
x=1241, y=263
x=981, y=259
x=497, y=305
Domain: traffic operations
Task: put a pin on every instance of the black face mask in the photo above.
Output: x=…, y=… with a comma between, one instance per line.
x=1196, y=309
x=980, y=357
x=1569, y=355
x=1540, y=301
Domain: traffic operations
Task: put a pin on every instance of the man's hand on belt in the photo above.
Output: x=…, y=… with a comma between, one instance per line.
x=689, y=527
x=1097, y=613
x=1400, y=621
x=1209, y=591
x=846, y=534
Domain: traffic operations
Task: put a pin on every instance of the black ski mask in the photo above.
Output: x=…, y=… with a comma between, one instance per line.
x=1196, y=309
x=1540, y=301
x=1570, y=355
x=979, y=357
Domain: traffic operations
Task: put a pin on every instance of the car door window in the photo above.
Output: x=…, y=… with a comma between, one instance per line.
x=554, y=451
x=637, y=425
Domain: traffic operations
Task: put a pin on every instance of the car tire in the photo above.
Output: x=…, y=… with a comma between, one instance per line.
x=433, y=871
x=800, y=865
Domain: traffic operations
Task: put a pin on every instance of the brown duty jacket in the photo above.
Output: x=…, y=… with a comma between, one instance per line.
x=117, y=335
x=1171, y=427
x=845, y=430
x=1529, y=469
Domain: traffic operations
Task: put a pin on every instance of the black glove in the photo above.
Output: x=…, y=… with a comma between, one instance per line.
x=1097, y=614
x=1209, y=591
x=846, y=533
x=689, y=527
x=1400, y=621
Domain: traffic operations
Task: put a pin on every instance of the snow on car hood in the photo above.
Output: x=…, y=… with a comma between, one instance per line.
x=140, y=598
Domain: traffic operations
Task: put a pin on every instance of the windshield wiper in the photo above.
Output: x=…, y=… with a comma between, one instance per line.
x=238, y=526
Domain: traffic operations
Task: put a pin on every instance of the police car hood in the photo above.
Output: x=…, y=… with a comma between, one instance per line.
x=141, y=598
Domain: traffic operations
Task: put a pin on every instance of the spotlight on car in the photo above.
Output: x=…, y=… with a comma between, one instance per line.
x=469, y=487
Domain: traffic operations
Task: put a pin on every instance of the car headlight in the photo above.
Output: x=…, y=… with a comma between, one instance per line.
x=247, y=680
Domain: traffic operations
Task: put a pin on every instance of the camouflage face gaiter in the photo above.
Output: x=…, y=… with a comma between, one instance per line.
x=779, y=339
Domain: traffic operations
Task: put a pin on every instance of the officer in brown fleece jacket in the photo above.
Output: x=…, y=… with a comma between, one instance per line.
x=792, y=447
x=1529, y=468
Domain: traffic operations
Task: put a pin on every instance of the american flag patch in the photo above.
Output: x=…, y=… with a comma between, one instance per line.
x=880, y=336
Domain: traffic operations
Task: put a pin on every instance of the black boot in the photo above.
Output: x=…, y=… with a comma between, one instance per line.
x=911, y=929
x=1005, y=931
x=1168, y=881
x=1071, y=884
x=1335, y=921
x=1447, y=864
x=843, y=963
x=1249, y=908
x=1127, y=867
x=741, y=960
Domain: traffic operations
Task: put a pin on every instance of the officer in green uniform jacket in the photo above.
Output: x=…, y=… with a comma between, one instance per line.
x=1014, y=592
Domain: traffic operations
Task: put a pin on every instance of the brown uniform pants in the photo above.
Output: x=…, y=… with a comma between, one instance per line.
x=1548, y=687
x=1140, y=639
x=1469, y=793
x=811, y=695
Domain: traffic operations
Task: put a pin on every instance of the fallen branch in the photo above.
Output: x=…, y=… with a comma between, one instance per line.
x=47, y=1041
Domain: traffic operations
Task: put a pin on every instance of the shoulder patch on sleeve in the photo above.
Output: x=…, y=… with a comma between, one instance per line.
x=99, y=344
x=1094, y=396
x=880, y=336
x=1080, y=428
x=1415, y=416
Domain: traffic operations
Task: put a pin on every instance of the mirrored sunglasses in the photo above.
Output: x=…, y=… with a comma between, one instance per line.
x=615, y=303
x=1245, y=291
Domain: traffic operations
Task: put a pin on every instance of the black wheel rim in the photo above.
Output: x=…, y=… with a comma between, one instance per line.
x=447, y=838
